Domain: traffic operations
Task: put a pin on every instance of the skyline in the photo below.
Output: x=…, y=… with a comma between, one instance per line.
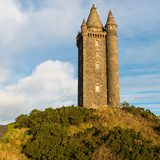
x=39, y=57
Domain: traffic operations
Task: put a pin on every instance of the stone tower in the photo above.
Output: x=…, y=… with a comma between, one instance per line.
x=98, y=75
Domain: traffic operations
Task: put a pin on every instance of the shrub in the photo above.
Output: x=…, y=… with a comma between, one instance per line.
x=129, y=144
x=52, y=141
x=22, y=121
x=50, y=130
x=139, y=111
x=65, y=116
x=47, y=142
x=51, y=138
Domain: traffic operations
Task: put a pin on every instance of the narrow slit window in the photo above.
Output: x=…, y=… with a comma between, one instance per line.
x=97, y=53
x=97, y=65
x=97, y=43
x=97, y=88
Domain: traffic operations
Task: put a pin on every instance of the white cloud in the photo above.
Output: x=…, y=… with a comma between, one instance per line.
x=11, y=19
x=22, y=28
x=54, y=21
x=59, y=21
x=51, y=84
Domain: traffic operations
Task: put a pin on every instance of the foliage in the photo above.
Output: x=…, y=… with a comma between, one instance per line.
x=12, y=142
x=139, y=111
x=52, y=141
x=84, y=134
x=65, y=116
x=130, y=145
x=22, y=121
x=47, y=142
x=50, y=130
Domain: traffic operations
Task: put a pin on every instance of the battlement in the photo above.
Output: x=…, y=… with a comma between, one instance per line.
x=93, y=35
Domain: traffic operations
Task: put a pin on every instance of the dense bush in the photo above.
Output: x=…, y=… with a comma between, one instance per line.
x=22, y=121
x=157, y=128
x=52, y=141
x=52, y=138
x=65, y=116
x=130, y=145
x=139, y=111
x=47, y=143
x=50, y=130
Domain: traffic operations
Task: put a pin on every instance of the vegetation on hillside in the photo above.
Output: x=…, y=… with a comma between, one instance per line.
x=80, y=133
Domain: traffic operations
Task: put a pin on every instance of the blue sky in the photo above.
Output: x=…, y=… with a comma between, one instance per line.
x=38, y=52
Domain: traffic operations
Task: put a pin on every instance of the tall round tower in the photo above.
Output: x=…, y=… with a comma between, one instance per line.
x=92, y=77
x=98, y=77
x=112, y=62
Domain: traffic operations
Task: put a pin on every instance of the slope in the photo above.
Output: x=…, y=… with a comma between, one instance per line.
x=81, y=133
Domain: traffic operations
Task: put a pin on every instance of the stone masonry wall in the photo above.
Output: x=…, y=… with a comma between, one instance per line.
x=93, y=76
x=112, y=67
x=98, y=73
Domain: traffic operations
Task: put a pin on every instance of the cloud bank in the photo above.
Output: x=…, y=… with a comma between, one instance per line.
x=51, y=83
x=44, y=21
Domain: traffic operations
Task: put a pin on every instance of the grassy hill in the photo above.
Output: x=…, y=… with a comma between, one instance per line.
x=81, y=133
x=3, y=129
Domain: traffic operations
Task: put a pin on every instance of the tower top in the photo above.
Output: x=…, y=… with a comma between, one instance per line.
x=93, y=19
x=93, y=6
x=84, y=23
x=110, y=19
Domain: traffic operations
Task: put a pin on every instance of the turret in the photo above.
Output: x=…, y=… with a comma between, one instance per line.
x=111, y=26
x=94, y=22
x=112, y=62
x=84, y=28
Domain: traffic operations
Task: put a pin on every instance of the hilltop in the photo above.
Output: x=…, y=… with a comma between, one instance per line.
x=80, y=133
